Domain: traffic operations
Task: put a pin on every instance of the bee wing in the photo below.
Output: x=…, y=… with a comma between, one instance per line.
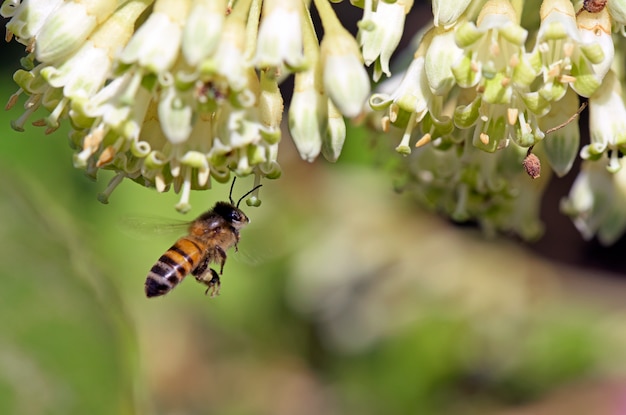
x=146, y=227
x=247, y=255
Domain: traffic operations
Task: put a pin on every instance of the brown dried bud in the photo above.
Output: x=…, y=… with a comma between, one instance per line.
x=532, y=165
x=593, y=6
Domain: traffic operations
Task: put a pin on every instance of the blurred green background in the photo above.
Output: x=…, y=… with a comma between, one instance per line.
x=344, y=299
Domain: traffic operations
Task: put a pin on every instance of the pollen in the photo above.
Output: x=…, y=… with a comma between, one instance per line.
x=484, y=138
x=106, y=156
x=385, y=123
x=426, y=138
x=511, y=115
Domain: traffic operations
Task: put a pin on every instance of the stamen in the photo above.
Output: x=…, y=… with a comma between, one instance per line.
x=426, y=138
x=13, y=99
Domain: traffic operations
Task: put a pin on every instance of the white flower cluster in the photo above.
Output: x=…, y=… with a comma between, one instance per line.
x=172, y=93
x=487, y=89
x=176, y=92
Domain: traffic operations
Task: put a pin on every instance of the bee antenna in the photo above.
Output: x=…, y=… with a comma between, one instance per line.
x=230, y=194
x=242, y=197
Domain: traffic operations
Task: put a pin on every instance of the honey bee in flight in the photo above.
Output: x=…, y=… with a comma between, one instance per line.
x=209, y=237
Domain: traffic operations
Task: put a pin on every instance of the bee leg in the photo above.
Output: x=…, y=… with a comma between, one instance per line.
x=201, y=273
x=222, y=256
x=213, y=284
x=236, y=232
x=200, y=270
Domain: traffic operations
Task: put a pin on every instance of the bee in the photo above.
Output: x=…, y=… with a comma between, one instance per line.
x=209, y=236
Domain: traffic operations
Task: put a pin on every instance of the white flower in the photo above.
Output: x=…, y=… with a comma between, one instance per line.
x=308, y=114
x=409, y=102
x=595, y=28
x=28, y=17
x=565, y=60
x=229, y=60
x=617, y=10
x=596, y=202
x=68, y=26
x=86, y=71
x=176, y=109
x=380, y=36
x=442, y=53
x=280, y=35
x=332, y=141
x=345, y=80
x=607, y=122
x=202, y=30
x=446, y=12
x=155, y=45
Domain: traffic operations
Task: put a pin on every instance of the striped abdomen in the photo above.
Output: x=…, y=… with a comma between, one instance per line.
x=173, y=266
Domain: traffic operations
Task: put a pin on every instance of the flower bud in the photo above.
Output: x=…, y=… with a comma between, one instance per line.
x=155, y=45
x=447, y=12
x=607, y=121
x=380, y=41
x=202, y=30
x=280, y=35
x=68, y=26
x=345, y=79
x=332, y=141
x=307, y=115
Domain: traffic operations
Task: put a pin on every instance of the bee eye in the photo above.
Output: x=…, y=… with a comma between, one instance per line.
x=235, y=216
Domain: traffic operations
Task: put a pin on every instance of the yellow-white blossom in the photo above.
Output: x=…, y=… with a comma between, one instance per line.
x=380, y=34
x=607, y=123
x=280, y=35
x=203, y=29
x=447, y=12
x=87, y=69
x=308, y=114
x=345, y=79
x=617, y=10
x=155, y=45
x=565, y=59
x=495, y=62
x=67, y=27
x=595, y=29
x=407, y=101
x=27, y=17
x=335, y=136
x=596, y=201
x=180, y=94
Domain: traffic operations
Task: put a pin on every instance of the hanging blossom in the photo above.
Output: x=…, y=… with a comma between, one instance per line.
x=489, y=98
x=181, y=93
x=177, y=93
x=596, y=201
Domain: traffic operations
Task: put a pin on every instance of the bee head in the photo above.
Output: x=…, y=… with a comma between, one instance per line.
x=231, y=214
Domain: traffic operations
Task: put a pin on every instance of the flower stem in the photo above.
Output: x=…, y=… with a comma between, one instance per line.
x=329, y=18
